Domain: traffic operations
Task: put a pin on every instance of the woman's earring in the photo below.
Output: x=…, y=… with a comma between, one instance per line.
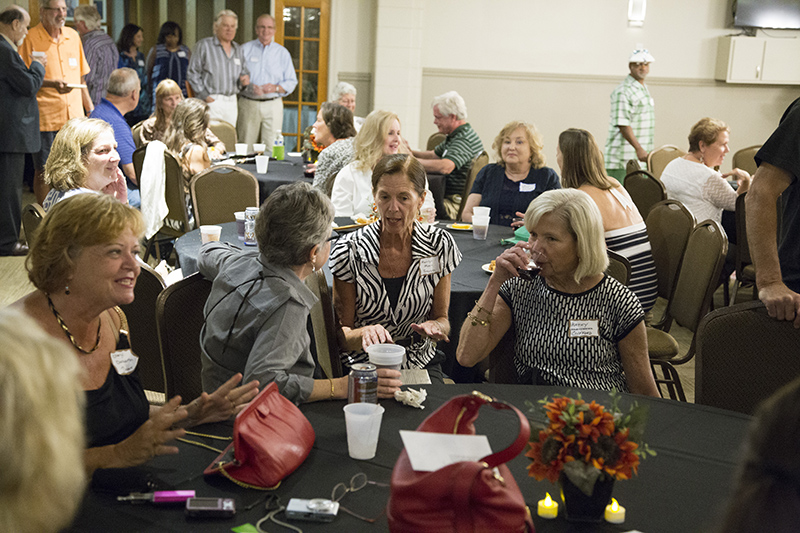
x=66, y=289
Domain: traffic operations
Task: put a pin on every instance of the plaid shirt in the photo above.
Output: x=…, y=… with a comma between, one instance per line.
x=631, y=105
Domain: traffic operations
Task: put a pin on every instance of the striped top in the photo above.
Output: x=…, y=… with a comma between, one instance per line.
x=632, y=243
x=212, y=71
x=354, y=260
x=461, y=146
x=168, y=65
x=546, y=321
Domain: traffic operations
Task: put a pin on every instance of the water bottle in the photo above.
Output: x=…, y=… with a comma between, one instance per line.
x=250, y=214
x=277, y=148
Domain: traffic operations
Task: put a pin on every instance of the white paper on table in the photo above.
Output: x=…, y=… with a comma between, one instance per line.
x=429, y=452
x=415, y=376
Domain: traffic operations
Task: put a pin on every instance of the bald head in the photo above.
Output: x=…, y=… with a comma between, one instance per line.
x=14, y=22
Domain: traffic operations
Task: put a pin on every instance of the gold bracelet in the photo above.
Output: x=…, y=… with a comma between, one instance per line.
x=482, y=309
x=476, y=321
x=329, y=379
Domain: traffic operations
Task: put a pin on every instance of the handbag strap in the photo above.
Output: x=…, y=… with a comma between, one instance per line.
x=221, y=466
x=519, y=443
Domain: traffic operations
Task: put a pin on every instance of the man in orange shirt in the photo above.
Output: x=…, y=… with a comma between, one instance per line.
x=59, y=99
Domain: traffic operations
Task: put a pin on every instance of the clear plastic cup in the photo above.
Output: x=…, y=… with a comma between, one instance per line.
x=241, y=148
x=481, y=211
x=363, y=423
x=240, y=224
x=386, y=355
x=480, y=227
x=259, y=148
x=262, y=162
x=210, y=233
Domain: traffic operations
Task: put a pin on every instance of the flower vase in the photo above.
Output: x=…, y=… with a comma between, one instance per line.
x=578, y=507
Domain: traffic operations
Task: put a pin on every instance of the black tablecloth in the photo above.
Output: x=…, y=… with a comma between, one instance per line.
x=683, y=488
x=278, y=173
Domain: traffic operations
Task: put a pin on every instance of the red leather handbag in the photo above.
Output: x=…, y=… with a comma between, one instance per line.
x=271, y=438
x=469, y=496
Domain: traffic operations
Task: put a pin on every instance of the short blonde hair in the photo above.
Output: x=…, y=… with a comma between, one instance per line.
x=582, y=160
x=368, y=143
x=535, y=145
x=582, y=218
x=41, y=428
x=70, y=226
x=706, y=130
x=66, y=165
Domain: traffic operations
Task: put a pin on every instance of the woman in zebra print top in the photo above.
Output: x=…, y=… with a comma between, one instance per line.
x=392, y=278
x=574, y=326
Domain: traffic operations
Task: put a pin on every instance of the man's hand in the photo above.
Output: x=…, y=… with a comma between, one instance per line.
x=209, y=99
x=41, y=59
x=781, y=302
x=642, y=154
x=244, y=79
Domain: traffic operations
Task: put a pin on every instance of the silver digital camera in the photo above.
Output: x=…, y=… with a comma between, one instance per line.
x=316, y=510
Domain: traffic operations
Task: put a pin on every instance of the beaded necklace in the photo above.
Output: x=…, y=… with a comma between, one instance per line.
x=67, y=332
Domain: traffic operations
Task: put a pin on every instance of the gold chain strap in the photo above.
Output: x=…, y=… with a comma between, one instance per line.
x=202, y=445
x=206, y=435
x=221, y=466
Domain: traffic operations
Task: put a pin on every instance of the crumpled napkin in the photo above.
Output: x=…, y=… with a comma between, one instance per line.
x=412, y=397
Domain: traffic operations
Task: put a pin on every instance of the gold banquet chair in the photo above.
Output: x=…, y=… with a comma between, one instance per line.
x=220, y=191
x=745, y=271
x=325, y=325
x=32, y=215
x=435, y=140
x=480, y=161
x=690, y=301
x=658, y=159
x=745, y=159
x=226, y=133
x=743, y=356
x=645, y=190
x=177, y=222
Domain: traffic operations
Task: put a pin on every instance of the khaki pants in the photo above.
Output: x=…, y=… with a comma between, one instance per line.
x=223, y=108
x=259, y=120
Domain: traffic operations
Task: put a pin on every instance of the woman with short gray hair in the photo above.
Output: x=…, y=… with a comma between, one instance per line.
x=345, y=94
x=257, y=311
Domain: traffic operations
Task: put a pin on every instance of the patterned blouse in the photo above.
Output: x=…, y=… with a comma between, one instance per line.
x=571, y=340
x=354, y=260
x=331, y=160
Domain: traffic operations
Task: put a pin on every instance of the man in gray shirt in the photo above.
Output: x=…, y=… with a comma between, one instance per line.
x=217, y=71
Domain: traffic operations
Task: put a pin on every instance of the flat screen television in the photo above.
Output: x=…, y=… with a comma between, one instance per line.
x=776, y=14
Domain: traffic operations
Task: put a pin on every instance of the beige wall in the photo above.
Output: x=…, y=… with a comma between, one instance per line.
x=555, y=63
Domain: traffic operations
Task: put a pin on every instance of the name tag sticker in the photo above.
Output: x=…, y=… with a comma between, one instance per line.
x=181, y=53
x=255, y=59
x=429, y=265
x=583, y=328
x=72, y=62
x=124, y=362
x=236, y=61
x=527, y=187
x=141, y=62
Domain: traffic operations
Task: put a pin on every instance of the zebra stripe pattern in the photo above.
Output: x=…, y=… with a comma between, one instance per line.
x=632, y=243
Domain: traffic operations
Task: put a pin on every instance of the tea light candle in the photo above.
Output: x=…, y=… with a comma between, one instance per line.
x=615, y=513
x=548, y=508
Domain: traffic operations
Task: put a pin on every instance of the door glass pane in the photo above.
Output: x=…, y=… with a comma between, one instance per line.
x=309, y=116
x=312, y=23
x=309, y=87
x=289, y=119
x=310, y=55
x=293, y=46
x=292, y=21
x=292, y=97
x=290, y=143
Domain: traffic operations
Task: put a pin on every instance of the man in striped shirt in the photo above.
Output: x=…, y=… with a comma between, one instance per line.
x=100, y=50
x=217, y=71
x=454, y=155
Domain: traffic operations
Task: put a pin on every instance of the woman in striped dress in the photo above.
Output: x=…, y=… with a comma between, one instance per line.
x=582, y=167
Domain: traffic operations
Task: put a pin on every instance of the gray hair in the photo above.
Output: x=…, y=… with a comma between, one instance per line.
x=89, y=15
x=451, y=103
x=583, y=220
x=226, y=13
x=41, y=420
x=44, y=4
x=292, y=220
x=123, y=81
x=342, y=88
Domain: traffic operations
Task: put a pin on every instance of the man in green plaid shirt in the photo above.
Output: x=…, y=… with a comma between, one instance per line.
x=631, y=130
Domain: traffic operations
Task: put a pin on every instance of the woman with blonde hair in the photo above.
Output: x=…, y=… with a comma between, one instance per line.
x=41, y=421
x=352, y=189
x=83, y=159
x=518, y=177
x=582, y=167
x=186, y=140
x=168, y=96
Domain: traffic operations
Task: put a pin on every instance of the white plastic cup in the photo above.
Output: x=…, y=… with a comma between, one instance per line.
x=241, y=148
x=386, y=355
x=363, y=423
x=480, y=227
x=240, y=224
x=210, y=233
x=481, y=211
x=259, y=148
x=262, y=162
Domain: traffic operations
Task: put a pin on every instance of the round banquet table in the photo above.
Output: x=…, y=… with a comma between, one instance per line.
x=278, y=173
x=683, y=488
x=467, y=282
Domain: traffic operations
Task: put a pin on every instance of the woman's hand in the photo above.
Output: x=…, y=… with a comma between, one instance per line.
x=223, y=403
x=742, y=178
x=431, y=329
x=507, y=263
x=388, y=382
x=376, y=334
x=117, y=188
x=518, y=223
x=149, y=440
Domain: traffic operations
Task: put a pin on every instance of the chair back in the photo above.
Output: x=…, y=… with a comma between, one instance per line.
x=658, y=159
x=632, y=165
x=698, y=275
x=668, y=227
x=179, y=316
x=175, y=193
x=226, y=133
x=742, y=248
x=325, y=324
x=136, y=131
x=328, y=185
x=645, y=190
x=745, y=159
x=189, y=90
x=435, y=140
x=141, y=315
x=138, y=162
x=743, y=356
x=32, y=215
x=501, y=360
x=619, y=267
x=220, y=191
x=480, y=161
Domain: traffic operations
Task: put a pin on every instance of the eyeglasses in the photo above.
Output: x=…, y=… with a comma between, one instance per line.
x=63, y=9
x=357, y=482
